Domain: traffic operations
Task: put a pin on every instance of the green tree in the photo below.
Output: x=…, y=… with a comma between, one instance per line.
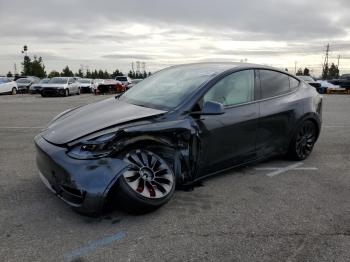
x=94, y=74
x=325, y=72
x=38, y=67
x=299, y=72
x=53, y=74
x=100, y=74
x=27, y=66
x=9, y=74
x=117, y=73
x=144, y=74
x=67, y=72
x=88, y=74
x=149, y=73
x=333, y=72
x=80, y=73
x=106, y=75
x=306, y=71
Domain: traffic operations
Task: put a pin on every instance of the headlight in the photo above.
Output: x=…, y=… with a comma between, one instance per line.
x=94, y=148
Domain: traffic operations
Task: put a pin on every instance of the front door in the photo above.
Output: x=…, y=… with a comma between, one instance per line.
x=229, y=139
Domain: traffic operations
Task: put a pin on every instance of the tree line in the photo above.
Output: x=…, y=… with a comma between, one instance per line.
x=36, y=67
x=328, y=73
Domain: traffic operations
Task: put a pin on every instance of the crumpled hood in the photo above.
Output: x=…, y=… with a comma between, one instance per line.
x=88, y=119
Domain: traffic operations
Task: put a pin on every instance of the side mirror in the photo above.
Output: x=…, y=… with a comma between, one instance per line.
x=211, y=108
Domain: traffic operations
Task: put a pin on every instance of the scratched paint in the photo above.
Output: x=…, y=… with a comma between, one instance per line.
x=93, y=245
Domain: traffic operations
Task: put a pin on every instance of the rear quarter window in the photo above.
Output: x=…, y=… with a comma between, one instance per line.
x=293, y=83
x=273, y=83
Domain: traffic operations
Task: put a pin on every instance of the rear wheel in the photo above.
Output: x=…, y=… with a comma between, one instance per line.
x=303, y=141
x=147, y=184
x=14, y=91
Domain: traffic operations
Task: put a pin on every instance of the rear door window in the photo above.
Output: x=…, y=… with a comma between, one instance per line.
x=273, y=83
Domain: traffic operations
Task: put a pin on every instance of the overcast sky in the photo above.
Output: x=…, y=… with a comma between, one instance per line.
x=111, y=34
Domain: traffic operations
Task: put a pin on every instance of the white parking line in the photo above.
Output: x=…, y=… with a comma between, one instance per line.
x=280, y=170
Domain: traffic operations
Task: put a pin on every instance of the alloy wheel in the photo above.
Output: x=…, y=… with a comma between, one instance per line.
x=149, y=175
x=305, y=140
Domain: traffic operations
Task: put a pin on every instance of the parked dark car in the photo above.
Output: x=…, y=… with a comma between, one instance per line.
x=180, y=125
x=24, y=83
x=36, y=88
x=311, y=82
x=343, y=81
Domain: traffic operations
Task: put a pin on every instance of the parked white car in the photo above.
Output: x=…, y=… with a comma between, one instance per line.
x=85, y=85
x=8, y=86
x=124, y=79
x=326, y=84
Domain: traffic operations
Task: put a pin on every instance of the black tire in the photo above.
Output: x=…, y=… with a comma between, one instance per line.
x=14, y=91
x=303, y=141
x=66, y=92
x=78, y=93
x=43, y=94
x=147, y=185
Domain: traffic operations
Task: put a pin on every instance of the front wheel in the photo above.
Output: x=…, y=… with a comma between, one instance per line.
x=66, y=92
x=147, y=184
x=303, y=141
x=14, y=91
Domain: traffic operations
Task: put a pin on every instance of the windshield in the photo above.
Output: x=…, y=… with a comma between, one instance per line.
x=169, y=87
x=121, y=78
x=85, y=81
x=44, y=81
x=58, y=80
x=23, y=80
x=2, y=80
x=345, y=76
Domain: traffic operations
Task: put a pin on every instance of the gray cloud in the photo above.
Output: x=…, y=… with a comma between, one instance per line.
x=182, y=30
x=128, y=57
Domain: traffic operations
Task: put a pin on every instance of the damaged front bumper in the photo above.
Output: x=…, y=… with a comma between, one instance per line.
x=82, y=184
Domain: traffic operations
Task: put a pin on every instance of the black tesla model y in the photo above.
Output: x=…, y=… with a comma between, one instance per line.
x=178, y=126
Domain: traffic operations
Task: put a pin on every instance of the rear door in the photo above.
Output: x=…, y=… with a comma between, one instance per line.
x=71, y=85
x=278, y=110
x=229, y=139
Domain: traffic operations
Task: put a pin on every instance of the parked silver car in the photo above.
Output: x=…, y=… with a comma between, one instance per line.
x=61, y=86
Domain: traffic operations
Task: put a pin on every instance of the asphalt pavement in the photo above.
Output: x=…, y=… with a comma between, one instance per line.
x=278, y=210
